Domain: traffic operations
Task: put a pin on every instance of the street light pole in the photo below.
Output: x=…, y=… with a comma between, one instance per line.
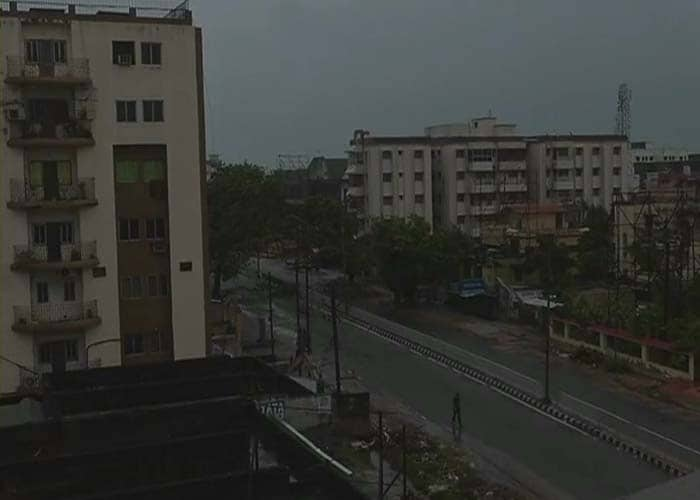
x=307, y=340
x=296, y=294
x=546, y=322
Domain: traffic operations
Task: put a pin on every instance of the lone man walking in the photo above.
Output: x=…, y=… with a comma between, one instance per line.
x=456, y=413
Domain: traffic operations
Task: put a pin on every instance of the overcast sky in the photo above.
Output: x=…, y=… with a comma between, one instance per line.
x=298, y=76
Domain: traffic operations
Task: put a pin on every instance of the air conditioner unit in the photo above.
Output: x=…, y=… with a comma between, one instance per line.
x=125, y=60
x=159, y=247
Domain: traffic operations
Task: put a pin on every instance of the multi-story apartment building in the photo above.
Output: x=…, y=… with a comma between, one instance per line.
x=103, y=189
x=466, y=174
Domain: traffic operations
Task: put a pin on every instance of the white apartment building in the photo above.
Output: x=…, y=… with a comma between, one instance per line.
x=102, y=189
x=466, y=174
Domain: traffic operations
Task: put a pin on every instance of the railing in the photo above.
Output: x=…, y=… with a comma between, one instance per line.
x=72, y=69
x=22, y=192
x=511, y=165
x=480, y=166
x=70, y=252
x=55, y=312
x=47, y=129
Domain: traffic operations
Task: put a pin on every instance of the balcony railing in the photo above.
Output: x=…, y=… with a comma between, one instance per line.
x=72, y=71
x=481, y=166
x=59, y=316
x=22, y=195
x=81, y=254
x=69, y=132
x=511, y=165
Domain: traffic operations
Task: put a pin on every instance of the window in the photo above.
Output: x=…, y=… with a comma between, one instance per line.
x=45, y=354
x=136, y=288
x=126, y=111
x=386, y=155
x=579, y=172
x=596, y=171
x=127, y=171
x=71, y=350
x=418, y=153
x=460, y=176
x=69, y=291
x=637, y=158
x=420, y=198
x=128, y=229
x=386, y=177
x=153, y=170
x=133, y=344
x=123, y=53
x=163, y=282
x=45, y=51
x=480, y=155
x=579, y=151
x=39, y=234
x=616, y=190
x=153, y=286
x=131, y=287
x=459, y=153
x=460, y=220
x=616, y=150
x=616, y=171
x=460, y=197
x=64, y=173
x=150, y=53
x=561, y=153
x=596, y=192
x=155, y=229
x=418, y=176
x=155, y=341
x=387, y=200
x=126, y=289
x=596, y=151
x=65, y=232
x=152, y=111
x=42, y=292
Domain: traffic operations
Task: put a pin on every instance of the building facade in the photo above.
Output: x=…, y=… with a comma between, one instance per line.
x=103, y=188
x=467, y=174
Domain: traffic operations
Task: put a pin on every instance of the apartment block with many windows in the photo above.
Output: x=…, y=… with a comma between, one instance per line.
x=471, y=172
x=103, y=189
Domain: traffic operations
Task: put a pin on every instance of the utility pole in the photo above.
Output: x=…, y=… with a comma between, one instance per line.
x=667, y=251
x=296, y=294
x=546, y=318
x=269, y=306
x=380, y=494
x=404, y=464
x=307, y=340
x=334, y=321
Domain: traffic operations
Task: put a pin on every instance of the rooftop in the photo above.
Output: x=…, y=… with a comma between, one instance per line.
x=164, y=11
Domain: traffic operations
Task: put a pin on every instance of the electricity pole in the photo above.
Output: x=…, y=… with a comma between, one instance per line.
x=334, y=321
x=546, y=322
x=269, y=306
x=296, y=294
x=307, y=340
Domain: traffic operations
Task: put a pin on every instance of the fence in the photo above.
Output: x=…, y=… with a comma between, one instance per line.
x=22, y=192
x=73, y=68
x=51, y=312
x=70, y=252
x=647, y=352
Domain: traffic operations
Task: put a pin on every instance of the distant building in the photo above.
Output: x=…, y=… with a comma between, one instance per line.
x=322, y=177
x=651, y=161
x=466, y=174
x=103, y=200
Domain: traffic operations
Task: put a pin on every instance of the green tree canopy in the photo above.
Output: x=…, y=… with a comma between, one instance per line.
x=244, y=207
x=595, y=247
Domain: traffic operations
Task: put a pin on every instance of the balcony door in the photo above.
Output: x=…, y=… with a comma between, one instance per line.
x=51, y=176
x=46, y=53
x=43, y=116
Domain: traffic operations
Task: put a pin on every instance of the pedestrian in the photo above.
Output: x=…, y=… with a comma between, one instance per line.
x=456, y=412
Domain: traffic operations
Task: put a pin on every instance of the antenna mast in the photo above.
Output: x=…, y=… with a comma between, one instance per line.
x=623, y=118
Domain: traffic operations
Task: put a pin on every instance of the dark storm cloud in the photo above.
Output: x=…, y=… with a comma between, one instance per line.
x=287, y=76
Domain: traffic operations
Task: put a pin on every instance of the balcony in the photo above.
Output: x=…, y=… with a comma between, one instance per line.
x=514, y=187
x=482, y=187
x=356, y=191
x=563, y=164
x=481, y=166
x=65, y=256
x=23, y=196
x=71, y=133
x=563, y=185
x=56, y=317
x=483, y=210
x=73, y=72
x=516, y=166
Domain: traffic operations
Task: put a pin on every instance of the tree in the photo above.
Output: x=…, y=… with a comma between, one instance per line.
x=595, y=247
x=244, y=205
x=552, y=261
x=405, y=254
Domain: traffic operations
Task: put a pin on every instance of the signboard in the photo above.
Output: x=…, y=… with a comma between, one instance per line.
x=275, y=408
